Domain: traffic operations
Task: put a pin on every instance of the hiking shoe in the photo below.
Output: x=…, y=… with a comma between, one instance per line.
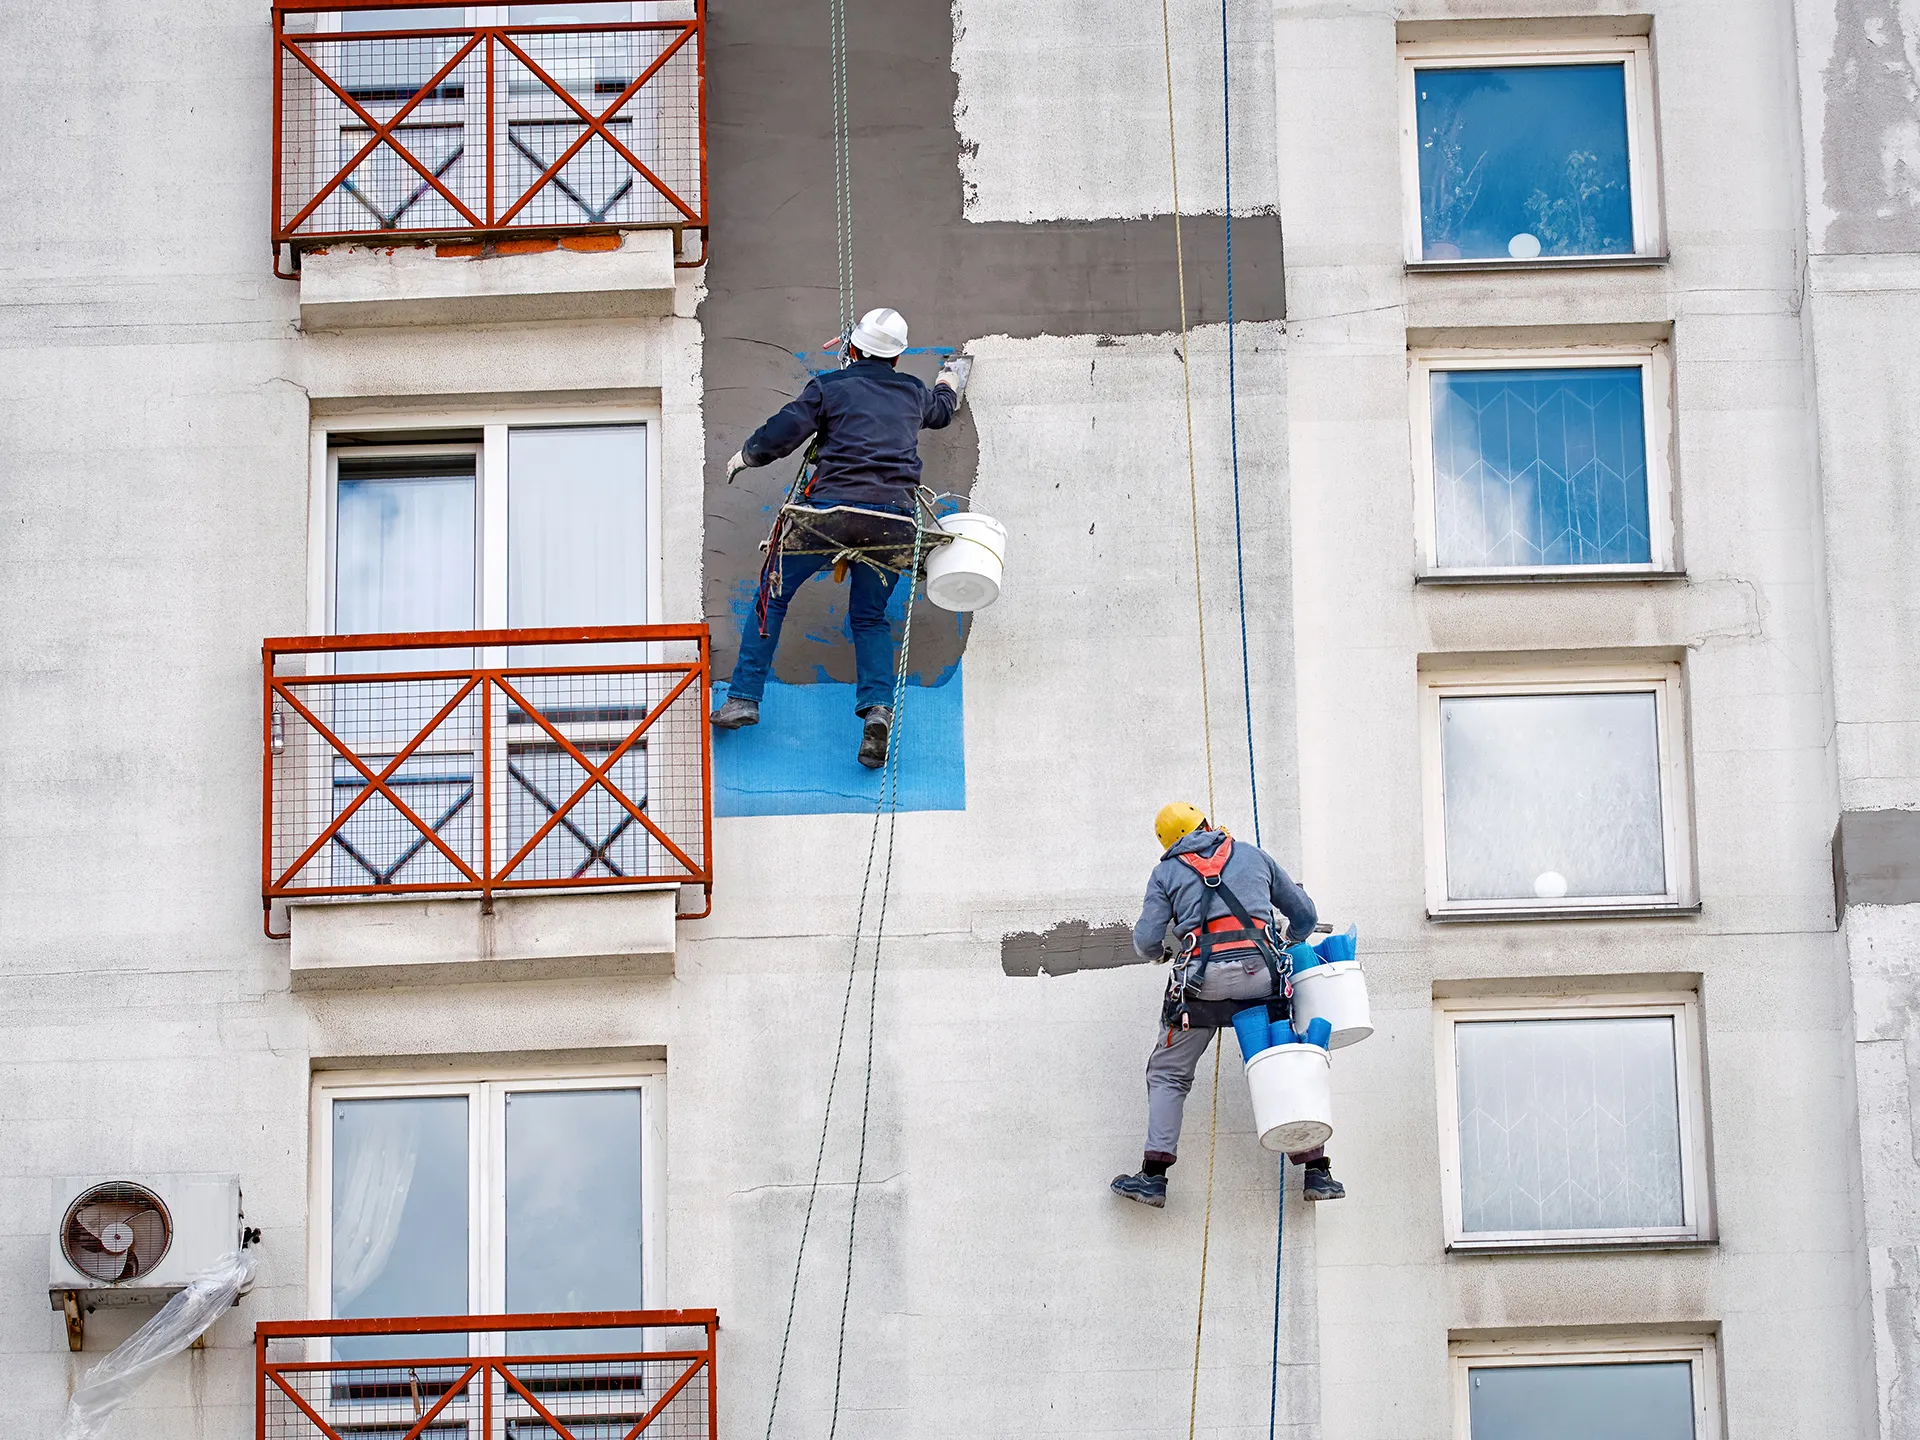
x=735, y=714
x=873, y=739
x=1320, y=1185
x=1147, y=1189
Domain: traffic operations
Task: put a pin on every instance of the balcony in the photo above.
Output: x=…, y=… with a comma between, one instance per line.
x=512, y=803
x=559, y=167
x=609, y=1375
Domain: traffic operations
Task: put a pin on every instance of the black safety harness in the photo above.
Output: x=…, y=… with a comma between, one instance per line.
x=1235, y=931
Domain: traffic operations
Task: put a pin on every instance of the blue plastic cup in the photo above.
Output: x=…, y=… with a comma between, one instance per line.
x=1320, y=1032
x=1250, y=1029
x=1340, y=947
x=1283, y=1034
x=1304, y=957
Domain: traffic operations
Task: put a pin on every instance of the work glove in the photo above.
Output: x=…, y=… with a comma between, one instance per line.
x=736, y=465
x=954, y=371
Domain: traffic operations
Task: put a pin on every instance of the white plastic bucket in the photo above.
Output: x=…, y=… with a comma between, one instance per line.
x=1292, y=1089
x=964, y=574
x=1337, y=993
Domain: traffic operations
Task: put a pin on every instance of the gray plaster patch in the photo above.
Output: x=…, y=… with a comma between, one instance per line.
x=1069, y=946
x=1876, y=858
x=1870, y=142
x=772, y=291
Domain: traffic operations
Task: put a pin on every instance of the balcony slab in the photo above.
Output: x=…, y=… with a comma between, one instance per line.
x=342, y=944
x=348, y=287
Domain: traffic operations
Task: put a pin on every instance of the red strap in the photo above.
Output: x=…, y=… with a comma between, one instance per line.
x=1210, y=867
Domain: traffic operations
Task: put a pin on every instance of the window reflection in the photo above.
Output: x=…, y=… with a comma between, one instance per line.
x=1569, y=1125
x=1631, y=1401
x=1552, y=796
x=1522, y=161
x=1540, y=467
x=399, y=1219
x=574, y=1210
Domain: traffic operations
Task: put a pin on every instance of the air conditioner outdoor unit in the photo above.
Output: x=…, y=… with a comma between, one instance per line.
x=137, y=1239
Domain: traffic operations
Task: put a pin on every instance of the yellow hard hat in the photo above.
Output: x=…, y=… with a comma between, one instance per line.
x=1176, y=821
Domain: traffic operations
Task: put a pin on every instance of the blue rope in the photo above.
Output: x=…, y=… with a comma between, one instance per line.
x=1233, y=426
x=1246, y=665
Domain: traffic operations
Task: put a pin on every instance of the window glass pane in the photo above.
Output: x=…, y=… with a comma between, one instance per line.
x=577, y=526
x=1540, y=467
x=574, y=1210
x=583, y=12
x=1523, y=160
x=1552, y=795
x=399, y=1219
x=1568, y=1125
x=1636, y=1401
x=404, y=545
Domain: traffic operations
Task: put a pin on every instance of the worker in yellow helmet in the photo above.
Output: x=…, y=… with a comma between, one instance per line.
x=1222, y=904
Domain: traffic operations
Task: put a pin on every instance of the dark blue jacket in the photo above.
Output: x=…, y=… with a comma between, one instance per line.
x=1175, y=893
x=869, y=417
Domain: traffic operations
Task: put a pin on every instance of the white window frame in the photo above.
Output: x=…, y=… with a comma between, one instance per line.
x=485, y=1092
x=1663, y=680
x=1631, y=51
x=1683, y=1008
x=490, y=491
x=1655, y=364
x=1699, y=1350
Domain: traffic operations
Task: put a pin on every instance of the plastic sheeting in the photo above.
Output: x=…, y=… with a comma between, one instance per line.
x=181, y=1321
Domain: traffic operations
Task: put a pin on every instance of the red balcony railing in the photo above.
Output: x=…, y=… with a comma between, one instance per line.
x=486, y=761
x=486, y=130
x=606, y=1375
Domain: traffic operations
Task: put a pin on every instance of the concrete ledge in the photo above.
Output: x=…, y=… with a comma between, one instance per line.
x=341, y=944
x=354, y=286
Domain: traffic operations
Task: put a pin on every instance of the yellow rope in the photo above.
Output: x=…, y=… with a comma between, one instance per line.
x=1206, y=1235
x=1186, y=371
x=1206, y=709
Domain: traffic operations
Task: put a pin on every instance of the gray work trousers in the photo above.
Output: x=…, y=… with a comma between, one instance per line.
x=1176, y=1056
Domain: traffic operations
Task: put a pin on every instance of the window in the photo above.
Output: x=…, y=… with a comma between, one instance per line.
x=1657, y=1387
x=485, y=1196
x=1555, y=793
x=535, y=520
x=1571, y=1121
x=1543, y=461
x=1528, y=150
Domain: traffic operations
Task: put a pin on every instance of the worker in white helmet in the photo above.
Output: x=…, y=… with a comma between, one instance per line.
x=1229, y=907
x=868, y=417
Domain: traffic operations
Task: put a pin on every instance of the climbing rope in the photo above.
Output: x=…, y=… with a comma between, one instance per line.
x=842, y=170
x=887, y=806
x=890, y=802
x=1206, y=710
x=1246, y=667
x=1186, y=370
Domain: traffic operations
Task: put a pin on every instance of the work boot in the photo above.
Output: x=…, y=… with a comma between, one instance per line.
x=735, y=714
x=1319, y=1183
x=873, y=739
x=1147, y=1189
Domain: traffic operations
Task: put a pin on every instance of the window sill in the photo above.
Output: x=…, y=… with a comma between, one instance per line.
x=1578, y=1247
x=1571, y=262
x=1569, y=912
x=1546, y=577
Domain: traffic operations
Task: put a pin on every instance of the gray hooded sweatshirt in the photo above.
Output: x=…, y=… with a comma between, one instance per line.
x=1176, y=895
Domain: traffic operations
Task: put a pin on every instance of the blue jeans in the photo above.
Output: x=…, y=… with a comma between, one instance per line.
x=866, y=618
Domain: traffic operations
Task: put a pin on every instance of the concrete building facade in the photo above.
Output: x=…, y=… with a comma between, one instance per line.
x=1646, y=1139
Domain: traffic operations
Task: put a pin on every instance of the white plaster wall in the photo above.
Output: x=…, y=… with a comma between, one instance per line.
x=1750, y=624
x=1062, y=113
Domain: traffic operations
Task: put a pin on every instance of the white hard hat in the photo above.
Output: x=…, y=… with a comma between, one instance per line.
x=881, y=333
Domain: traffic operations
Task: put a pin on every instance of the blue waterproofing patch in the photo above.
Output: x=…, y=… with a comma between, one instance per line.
x=799, y=760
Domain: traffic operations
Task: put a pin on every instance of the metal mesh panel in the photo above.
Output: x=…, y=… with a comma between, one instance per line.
x=491, y=128
x=590, y=1396
x=585, y=767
